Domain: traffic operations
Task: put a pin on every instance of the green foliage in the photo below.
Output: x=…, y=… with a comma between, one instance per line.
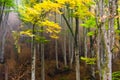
x=119, y=9
x=8, y=3
x=89, y=23
x=89, y=60
x=117, y=31
x=91, y=33
x=116, y=75
x=40, y=39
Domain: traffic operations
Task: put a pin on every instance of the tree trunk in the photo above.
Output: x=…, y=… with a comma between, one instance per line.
x=42, y=62
x=56, y=46
x=56, y=52
x=98, y=54
x=64, y=50
x=71, y=42
x=85, y=41
x=6, y=70
x=33, y=56
x=77, y=58
x=64, y=42
x=3, y=27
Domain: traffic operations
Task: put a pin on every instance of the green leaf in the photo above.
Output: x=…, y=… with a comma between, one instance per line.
x=117, y=31
x=89, y=23
x=116, y=75
x=88, y=60
x=91, y=33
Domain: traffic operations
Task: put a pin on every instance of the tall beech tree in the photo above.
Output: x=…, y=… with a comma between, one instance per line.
x=36, y=14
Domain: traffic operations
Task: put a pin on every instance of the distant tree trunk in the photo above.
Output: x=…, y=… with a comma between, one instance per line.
x=85, y=41
x=71, y=42
x=56, y=52
x=64, y=41
x=3, y=27
x=33, y=55
x=92, y=56
x=77, y=58
x=69, y=39
x=2, y=7
x=72, y=54
x=98, y=54
x=42, y=62
x=56, y=47
x=6, y=70
x=64, y=49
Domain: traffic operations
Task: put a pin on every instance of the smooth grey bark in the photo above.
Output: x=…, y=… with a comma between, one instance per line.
x=77, y=66
x=64, y=50
x=92, y=56
x=56, y=53
x=3, y=27
x=72, y=54
x=33, y=55
x=64, y=42
x=77, y=58
x=6, y=71
x=56, y=46
x=71, y=42
x=42, y=62
x=85, y=41
x=2, y=8
x=98, y=54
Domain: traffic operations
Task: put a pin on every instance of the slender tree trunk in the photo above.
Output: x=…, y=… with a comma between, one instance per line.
x=92, y=56
x=33, y=56
x=56, y=52
x=4, y=33
x=64, y=42
x=110, y=43
x=98, y=54
x=77, y=58
x=85, y=41
x=56, y=46
x=72, y=54
x=42, y=62
x=2, y=7
x=64, y=50
x=6, y=70
x=71, y=43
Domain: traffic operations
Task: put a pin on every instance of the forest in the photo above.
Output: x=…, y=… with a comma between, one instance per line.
x=59, y=39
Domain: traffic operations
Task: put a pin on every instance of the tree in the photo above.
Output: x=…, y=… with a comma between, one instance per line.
x=37, y=15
